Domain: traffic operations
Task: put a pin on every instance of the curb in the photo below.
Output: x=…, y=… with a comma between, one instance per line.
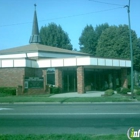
x=5, y=103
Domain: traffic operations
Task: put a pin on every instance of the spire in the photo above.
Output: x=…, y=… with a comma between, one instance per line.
x=35, y=37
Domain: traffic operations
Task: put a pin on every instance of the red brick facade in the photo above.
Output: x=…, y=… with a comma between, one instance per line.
x=80, y=80
x=11, y=77
x=44, y=75
x=58, y=78
x=124, y=80
x=14, y=77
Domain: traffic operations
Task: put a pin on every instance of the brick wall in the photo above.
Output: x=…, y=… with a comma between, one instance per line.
x=58, y=78
x=36, y=91
x=11, y=77
x=80, y=80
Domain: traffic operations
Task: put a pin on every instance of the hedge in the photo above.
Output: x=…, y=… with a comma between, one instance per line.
x=7, y=91
x=109, y=92
x=54, y=90
x=124, y=91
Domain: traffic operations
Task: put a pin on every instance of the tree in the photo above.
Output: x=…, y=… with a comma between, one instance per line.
x=114, y=43
x=54, y=35
x=99, y=29
x=89, y=38
x=136, y=55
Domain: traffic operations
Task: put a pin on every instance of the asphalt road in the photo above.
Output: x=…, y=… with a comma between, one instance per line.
x=104, y=118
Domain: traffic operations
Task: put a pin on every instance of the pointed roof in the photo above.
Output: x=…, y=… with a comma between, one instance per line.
x=35, y=37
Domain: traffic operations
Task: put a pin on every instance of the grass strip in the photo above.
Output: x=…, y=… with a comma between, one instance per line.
x=12, y=99
x=64, y=137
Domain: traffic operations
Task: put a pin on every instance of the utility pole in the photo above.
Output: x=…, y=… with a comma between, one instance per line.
x=131, y=50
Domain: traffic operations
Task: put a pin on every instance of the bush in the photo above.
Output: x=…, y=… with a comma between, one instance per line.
x=7, y=91
x=137, y=92
x=118, y=90
x=136, y=87
x=124, y=90
x=54, y=90
x=109, y=92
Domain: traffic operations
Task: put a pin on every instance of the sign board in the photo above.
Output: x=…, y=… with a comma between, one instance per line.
x=33, y=82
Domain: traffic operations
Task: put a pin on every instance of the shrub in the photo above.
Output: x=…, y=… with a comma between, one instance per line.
x=118, y=90
x=136, y=87
x=109, y=92
x=54, y=90
x=124, y=90
x=137, y=92
x=7, y=91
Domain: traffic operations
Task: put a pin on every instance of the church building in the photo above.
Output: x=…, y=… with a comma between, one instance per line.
x=34, y=66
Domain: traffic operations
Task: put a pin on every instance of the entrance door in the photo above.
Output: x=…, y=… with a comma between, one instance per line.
x=69, y=81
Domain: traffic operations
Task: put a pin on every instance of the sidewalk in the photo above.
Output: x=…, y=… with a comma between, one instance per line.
x=75, y=94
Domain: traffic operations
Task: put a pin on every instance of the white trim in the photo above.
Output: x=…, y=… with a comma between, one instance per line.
x=19, y=63
x=70, y=61
x=108, y=62
x=0, y=63
x=23, y=55
x=65, y=62
x=57, y=63
x=34, y=54
x=122, y=63
x=7, y=63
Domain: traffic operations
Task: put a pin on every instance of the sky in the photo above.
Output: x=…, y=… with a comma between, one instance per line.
x=16, y=17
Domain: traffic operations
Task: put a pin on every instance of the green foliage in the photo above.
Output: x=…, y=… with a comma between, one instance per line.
x=54, y=35
x=109, y=92
x=62, y=137
x=89, y=38
x=137, y=92
x=99, y=29
x=7, y=91
x=55, y=90
x=124, y=90
x=136, y=87
x=118, y=89
x=111, y=44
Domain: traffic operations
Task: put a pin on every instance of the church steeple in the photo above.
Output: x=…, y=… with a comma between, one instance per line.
x=35, y=37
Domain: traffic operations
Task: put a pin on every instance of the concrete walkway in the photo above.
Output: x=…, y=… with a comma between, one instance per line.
x=75, y=94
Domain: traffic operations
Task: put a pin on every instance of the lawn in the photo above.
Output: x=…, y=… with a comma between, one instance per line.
x=63, y=137
x=47, y=99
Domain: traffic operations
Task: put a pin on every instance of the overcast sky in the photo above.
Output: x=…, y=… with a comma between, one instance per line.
x=16, y=17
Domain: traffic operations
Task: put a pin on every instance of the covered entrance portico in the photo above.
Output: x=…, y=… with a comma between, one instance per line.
x=82, y=79
x=88, y=76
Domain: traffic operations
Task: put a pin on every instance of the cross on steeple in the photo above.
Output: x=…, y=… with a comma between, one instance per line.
x=35, y=6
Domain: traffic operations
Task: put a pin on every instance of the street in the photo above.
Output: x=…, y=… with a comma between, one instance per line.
x=94, y=118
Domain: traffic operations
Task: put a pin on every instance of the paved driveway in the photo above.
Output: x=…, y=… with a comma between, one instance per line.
x=75, y=94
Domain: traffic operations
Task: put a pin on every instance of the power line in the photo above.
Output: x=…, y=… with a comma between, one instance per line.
x=85, y=13
x=106, y=3
x=105, y=10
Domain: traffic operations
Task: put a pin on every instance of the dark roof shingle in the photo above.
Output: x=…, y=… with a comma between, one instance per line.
x=38, y=47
